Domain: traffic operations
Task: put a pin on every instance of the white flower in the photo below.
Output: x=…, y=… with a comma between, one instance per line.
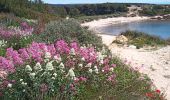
x=28, y=68
x=81, y=65
x=47, y=55
x=38, y=67
x=102, y=70
x=21, y=80
x=61, y=65
x=49, y=66
x=32, y=75
x=90, y=70
x=71, y=73
x=55, y=74
x=111, y=69
x=25, y=83
x=95, y=67
x=83, y=59
x=88, y=65
x=72, y=51
x=101, y=62
x=53, y=78
x=9, y=85
x=23, y=90
x=96, y=70
x=99, y=56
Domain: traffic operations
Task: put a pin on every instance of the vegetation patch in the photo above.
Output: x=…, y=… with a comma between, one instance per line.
x=141, y=39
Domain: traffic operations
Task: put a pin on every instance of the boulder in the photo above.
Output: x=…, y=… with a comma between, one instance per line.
x=121, y=39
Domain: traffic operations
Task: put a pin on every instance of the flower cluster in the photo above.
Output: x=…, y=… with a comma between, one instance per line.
x=55, y=68
x=10, y=32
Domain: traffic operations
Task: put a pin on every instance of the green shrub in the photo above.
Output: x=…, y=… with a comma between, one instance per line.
x=69, y=30
x=141, y=39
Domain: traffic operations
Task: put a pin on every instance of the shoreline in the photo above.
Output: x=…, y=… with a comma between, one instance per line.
x=93, y=25
x=155, y=64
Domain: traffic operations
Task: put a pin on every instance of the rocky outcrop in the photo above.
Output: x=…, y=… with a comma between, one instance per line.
x=121, y=39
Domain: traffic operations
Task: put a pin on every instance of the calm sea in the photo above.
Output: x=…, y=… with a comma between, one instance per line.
x=159, y=28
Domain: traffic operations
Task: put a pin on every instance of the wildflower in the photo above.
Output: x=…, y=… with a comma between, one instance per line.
x=9, y=85
x=76, y=80
x=71, y=73
x=53, y=78
x=24, y=84
x=90, y=70
x=23, y=90
x=111, y=78
x=55, y=74
x=21, y=80
x=38, y=67
x=32, y=75
x=3, y=74
x=28, y=68
x=72, y=51
x=111, y=69
x=101, y=62
x=43, y=88
x=82, y=79
x=80, y=65
x=99, y=56
x=96, y=70
x=49, y=66
x=113, y=65
x=47, y=55
x=89, y=65
x=158, y=91
x=61, y=65
x=83, y=59
x=57, y=59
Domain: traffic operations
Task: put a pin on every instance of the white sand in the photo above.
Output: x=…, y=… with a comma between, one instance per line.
x=110, y=21
x=156, y=64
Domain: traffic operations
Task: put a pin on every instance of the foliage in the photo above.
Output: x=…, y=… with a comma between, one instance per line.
x=153, y=10
x=141, y=39
x=69, y=30
x=92, y=9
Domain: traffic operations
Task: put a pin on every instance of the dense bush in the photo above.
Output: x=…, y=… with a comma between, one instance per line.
x=141, y=39
x=69, y=30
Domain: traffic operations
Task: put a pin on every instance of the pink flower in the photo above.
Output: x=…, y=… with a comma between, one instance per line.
x=14, y=56
x=113, y=65
x=6, y=65
x=3, y=74
x=62, y=47
x=75, y=46
x=111, y=78
x=24, y=54
x=83, y=79
x=106, y=69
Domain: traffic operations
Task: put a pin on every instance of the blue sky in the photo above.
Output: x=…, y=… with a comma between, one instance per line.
x=104, y=1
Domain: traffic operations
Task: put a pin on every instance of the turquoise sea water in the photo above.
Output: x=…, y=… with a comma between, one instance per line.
x=159, y=28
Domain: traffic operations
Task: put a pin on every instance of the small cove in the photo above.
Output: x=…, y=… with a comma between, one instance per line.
x=153, y=27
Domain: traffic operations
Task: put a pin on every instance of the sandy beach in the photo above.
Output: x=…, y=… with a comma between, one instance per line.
x=93, y=25
x=154, y=63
